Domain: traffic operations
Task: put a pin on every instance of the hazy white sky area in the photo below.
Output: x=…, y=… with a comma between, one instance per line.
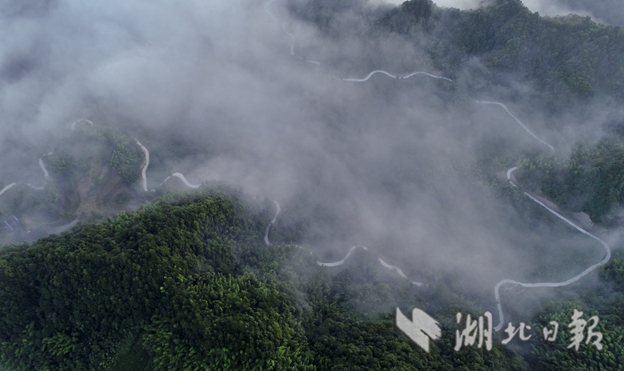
x=461, y=4
x=551, y=8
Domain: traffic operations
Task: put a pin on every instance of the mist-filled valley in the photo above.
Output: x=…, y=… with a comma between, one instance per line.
x=263, y=184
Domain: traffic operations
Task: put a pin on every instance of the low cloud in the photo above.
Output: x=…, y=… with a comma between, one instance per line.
x=385, y=163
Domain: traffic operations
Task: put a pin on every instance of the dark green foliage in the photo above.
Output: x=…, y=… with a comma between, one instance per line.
x=191, y=277
x=134, y=358
x=61, y=164
x=126, y=157
x=68, y=301
x=604, y=10
x=410, y=15
x=351, y=325
x=556, y=356
x=493, y=28
x=219, y=322
x=565, y=59
x=188, y=283
x=75, y=155
x=614, y=272
x=419, y=9
x=592, y=180
x=602, y=299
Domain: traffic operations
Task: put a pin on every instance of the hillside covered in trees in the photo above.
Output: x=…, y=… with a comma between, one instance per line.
x=564, y=59
x=187, y=283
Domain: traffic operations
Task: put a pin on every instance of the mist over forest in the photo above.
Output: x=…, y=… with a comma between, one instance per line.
x=274, y=101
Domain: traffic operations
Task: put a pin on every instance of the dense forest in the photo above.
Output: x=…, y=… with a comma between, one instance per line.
x=187, y=283
x=606, y=11
x=589, y=181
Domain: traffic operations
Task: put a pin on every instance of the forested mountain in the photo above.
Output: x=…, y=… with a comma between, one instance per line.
x=589, y=181
x=186, y=283
x=189, y=279
x=564, y=59
x=606, y=11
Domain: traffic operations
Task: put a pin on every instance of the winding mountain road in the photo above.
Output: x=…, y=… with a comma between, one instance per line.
x=569, y=222
x=509, y=178
x=278, y=209
x=73, y=124
x=143, y=171
x=509, y=172
x=340, y=262
x=426, y=74
x=7, y=188
x=292, y=37
x=552, y=149
x=604, y=261
x=343, y=260
x=267, y=9
x=180, y=176
x=393, y=76
x=369, y=76
x=397, y=270
x=145, y=165
x=45, y=171
x=45, y=174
